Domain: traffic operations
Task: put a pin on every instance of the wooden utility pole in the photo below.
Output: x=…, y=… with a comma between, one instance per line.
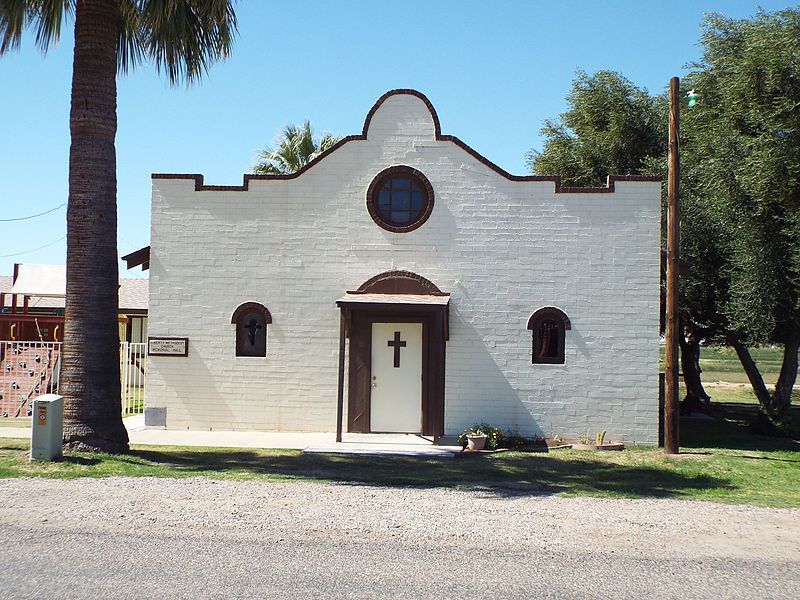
x=671, y=408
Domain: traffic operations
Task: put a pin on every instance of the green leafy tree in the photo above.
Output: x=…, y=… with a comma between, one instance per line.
x=613, y=127
x=744, y=136
x=295, y=148
x=703, y=280
x=610, y=127
x=183, y=37
x=740, y=187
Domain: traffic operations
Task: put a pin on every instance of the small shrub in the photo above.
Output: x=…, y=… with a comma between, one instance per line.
x=514, y=441
x=496, y=438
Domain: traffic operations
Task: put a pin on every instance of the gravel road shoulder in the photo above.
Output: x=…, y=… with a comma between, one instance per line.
x=441, y=527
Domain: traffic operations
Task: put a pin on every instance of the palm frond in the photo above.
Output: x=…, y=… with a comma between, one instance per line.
x=49, y=19
x=327, y=141
x=184, y=37
x=46, y=16
x=13, y=18
x=294, y=149
x=132, y=39
x=264, y=167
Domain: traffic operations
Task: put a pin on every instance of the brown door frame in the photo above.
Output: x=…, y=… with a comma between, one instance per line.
x=359, y=319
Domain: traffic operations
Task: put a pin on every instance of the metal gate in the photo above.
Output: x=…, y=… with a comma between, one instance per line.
x=132, y=369
x=28, y=369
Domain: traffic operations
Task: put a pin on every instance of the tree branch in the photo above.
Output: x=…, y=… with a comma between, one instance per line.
x=753, y=374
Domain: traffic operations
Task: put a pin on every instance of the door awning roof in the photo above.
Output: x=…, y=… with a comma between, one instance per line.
x=414, y=299
x=137, y=258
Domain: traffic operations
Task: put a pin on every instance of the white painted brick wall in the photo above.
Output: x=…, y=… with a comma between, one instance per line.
x=502, y=249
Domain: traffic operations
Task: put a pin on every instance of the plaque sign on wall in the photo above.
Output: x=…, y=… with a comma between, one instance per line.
x=168, y=346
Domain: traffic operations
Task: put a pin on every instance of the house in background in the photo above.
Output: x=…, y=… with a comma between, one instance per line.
x=32, y=305
x=32, y=325
x=402, y=282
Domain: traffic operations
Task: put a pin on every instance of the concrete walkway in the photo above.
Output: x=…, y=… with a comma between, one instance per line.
x=15, y=432
x=352, y=443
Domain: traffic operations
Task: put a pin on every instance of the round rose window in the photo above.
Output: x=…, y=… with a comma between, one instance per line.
x=400, y=199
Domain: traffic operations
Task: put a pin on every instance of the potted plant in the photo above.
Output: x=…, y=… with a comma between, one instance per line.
x=476, y=441
x=480, y=436
x=603, y=445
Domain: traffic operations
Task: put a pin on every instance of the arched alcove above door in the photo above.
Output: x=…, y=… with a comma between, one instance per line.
x=399, y=282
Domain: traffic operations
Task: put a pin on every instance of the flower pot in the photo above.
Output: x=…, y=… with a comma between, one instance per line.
x=580, y=446
x=606, y=446
x=609, y=446
x=476, y=442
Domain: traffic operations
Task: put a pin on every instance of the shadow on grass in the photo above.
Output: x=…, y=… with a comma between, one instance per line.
x=773, y=458
x=732, y=429
x=507, y=475
x=75, y=459
x=13, y=444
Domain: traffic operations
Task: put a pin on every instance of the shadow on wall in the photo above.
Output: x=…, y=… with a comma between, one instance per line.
x=180, y=385
x=575, y=338
x=477, y=390
x=508, y=395
x=189, y=393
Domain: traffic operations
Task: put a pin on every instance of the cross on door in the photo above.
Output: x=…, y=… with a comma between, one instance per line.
x=396, y=344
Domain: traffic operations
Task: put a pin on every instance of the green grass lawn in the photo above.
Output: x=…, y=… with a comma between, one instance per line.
x=722, y=461
x=722, y=364
x=134, y=403
x=725, y=393
x=725, y=380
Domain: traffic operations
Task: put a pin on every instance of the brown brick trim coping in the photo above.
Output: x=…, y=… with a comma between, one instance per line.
x=398, y=282
x=553, y=313
x=251, y=306
x=200, y=186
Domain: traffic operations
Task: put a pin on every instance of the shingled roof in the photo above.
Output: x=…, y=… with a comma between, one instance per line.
x=133, y=295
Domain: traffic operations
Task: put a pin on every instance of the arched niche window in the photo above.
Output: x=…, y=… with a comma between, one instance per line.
x=549, y=326
x=251, y=320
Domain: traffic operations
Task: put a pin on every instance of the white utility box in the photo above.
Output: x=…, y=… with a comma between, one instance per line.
x=47, y=427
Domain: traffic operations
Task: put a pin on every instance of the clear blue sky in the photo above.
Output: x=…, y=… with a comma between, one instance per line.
x=494, y=70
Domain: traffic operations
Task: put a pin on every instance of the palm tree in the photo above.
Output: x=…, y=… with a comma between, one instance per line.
x=295, y=148
x=183, y=37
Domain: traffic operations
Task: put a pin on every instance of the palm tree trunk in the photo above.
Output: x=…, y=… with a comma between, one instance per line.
x=90, y=375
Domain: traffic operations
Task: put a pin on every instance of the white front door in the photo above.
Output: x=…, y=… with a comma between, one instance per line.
x=396, y=394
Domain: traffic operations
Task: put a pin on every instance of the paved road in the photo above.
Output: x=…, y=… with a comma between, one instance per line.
x=145, y=538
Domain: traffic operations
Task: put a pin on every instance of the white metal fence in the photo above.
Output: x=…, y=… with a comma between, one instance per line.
x=28, y=369
x=132, y=361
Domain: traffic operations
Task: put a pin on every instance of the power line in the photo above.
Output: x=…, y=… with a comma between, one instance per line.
x=63, y=204
x=33, y=249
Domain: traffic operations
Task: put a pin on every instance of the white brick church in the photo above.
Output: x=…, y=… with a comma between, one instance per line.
x=401, y=282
